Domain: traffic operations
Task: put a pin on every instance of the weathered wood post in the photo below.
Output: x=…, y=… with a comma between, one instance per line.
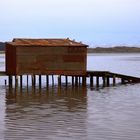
x=47, y=80
x=10, y=80
x=72, y=78
x=5, y=82
x=108, y=81
x=91, y=81
x=79, y=80
x=21, y=80
x=27, y=81
x=122, y=81
x=40, y=81
x=33, y=81
x=97, y=81
x=114, y=80
x=84, y=78
x=16, y=81
x=52, y=80
x=59, y=80
x=104, y=81
x=66, y=80
x=76, y=81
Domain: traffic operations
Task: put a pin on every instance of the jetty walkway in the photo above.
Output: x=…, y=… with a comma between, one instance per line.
x=96, y=78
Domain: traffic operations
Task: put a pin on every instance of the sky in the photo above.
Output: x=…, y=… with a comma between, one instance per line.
x=95, y=22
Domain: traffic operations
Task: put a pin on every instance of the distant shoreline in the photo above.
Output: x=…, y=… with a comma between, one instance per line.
x=118, y=49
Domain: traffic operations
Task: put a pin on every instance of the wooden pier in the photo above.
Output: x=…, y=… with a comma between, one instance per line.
x=95, y=79
x=107, y=77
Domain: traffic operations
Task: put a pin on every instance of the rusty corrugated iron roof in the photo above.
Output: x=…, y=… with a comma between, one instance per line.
x=45, y=42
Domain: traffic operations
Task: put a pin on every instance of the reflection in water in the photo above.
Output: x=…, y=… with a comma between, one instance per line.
x=46, y=114
x=73, y=113
x=111, y=113
x=2, y=112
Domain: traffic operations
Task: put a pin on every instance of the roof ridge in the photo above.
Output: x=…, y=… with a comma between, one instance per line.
x=46, y=42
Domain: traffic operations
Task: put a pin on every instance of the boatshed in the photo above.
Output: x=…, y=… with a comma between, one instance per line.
x=46, y=57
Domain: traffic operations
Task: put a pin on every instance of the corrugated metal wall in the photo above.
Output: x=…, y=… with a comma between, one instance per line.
x=47, y=60
x=10, y=59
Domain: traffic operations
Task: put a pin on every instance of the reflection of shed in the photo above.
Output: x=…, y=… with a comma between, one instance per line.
x=46, y=56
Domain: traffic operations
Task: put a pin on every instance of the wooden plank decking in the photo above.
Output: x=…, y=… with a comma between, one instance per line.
x=125, y=78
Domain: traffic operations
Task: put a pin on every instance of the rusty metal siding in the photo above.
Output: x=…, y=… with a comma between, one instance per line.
x=46, y=56
x=51, y=60
x=10, y=59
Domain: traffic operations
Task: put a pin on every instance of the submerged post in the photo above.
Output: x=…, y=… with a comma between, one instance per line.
x=72, y=79
x=76, y=81
x=122, y=81
x=52, y=79
x=79, y=79
x=108, y=81
x=16, y=80
x=5, y=82
x=84, y=81
x=59, y=80
x=47, y=80
x=21, y=84
x=91, y=81
x=40, y=82
x=114, y=80
x=104, y=81
x=10, y=81
x=66, y=80
x=33, y=80
x=97, y=81
x=27, y=81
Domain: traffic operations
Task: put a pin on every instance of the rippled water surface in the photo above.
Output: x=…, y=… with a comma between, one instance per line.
x=111, y=113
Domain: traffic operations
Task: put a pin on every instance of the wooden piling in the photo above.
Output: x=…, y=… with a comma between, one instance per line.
x=104, y=81
x=108, y=81
x=40, y=81
x=21, y=84
x=84, y=81
x=114, y=80
x=76, y=81
x=79, y=79
x=16, y=81
x=66, y=80
x=10, y=80
x=27, y=81
x=47, y=80
x=72, y=79
x=91, y=81
x=33, y=81
x=59, y=80
x=97, y=81
x=122, y=81
x=52, y=79
x=5, y=82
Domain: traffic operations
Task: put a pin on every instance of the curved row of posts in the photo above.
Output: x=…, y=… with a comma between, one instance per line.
x=96, y=78
x=106, y=76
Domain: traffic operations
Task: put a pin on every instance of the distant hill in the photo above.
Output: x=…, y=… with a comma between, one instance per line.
x=2, y=46
x=117, y=49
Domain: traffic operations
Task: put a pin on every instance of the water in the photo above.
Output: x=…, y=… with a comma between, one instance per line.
x=110, y=113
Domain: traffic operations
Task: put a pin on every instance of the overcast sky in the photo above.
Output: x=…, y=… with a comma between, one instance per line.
x=91, y=21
